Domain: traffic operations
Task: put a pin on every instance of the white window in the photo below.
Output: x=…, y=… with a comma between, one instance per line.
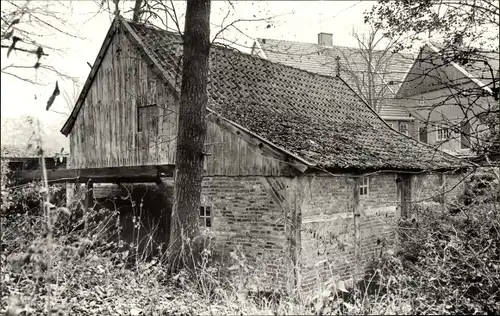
x=403, y=128
x=205, y=218
x=442, y=133
x=364, y=186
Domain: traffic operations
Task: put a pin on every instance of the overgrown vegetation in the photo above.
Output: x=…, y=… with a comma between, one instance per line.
x=446, y=261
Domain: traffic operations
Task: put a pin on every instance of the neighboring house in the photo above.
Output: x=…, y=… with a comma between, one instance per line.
x=449, y=99
x=351, y=64
x=20, y=149
x=29, y=161
x=301, y=176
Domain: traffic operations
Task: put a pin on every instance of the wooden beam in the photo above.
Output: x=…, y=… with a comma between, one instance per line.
x=129, y=174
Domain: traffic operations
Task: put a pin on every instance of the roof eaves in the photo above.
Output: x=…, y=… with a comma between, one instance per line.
x=267, y=142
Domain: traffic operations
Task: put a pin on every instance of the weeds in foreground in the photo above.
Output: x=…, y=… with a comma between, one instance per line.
x=447, y=261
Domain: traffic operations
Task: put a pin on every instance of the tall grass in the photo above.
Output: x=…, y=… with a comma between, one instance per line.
x=446, y=261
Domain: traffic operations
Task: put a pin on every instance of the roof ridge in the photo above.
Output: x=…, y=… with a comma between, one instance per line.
x=315, y=44
x=247, y=55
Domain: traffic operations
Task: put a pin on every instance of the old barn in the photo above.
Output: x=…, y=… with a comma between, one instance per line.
x=301, y=175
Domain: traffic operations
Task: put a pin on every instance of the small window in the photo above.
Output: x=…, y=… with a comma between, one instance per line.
x=205, y=216
x=422, y=133
x=403, y=128
x=147, y=118
x=442, y=133
x=364, y=186
x=391, y=124
x=421, y=102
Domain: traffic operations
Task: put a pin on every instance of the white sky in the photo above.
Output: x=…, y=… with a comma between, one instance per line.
x=297, y=21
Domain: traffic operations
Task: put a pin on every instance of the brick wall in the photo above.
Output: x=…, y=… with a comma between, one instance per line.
x=302, y=230
x=426, y=187
x=247, y=218
x=328, y=231
x=430, y=186
x=378, y=216
x=454, y=184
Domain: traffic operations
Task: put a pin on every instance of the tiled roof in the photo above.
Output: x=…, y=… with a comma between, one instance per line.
x=321, y=59
x=318, y=118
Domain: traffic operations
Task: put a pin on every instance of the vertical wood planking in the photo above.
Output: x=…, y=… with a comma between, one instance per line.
x=233, y=167
x=105, y=133
x=119, y=102
x=242, y=166
x=113, y=80
x=127, y=92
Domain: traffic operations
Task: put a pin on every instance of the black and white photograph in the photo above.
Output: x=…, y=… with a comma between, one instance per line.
x=237, y=157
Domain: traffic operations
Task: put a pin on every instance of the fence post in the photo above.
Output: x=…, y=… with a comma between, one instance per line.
x=89, y=198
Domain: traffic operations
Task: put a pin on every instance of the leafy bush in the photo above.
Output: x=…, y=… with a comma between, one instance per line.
x=481, y=187
x=447, y=263
x=84, y=272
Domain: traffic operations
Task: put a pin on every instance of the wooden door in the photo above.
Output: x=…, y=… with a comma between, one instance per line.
x=403, y=182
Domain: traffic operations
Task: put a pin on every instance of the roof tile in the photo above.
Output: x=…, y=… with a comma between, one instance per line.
x=316, y=117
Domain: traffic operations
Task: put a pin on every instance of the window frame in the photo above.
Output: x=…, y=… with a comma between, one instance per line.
x=422, y=130
x=364, y=188
x=142, y=124
x=465, y=133
x=441, y=129
x=205, y=216
x=422, y=101
x=407, y=133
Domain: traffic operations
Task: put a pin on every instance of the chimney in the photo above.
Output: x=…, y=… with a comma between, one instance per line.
x=325, y=39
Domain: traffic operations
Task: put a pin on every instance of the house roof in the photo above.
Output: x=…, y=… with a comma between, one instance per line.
x=317, y=118
x=321, y=59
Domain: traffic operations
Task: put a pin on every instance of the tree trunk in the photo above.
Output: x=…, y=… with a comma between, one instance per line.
x=137, y=8
x=191, y=134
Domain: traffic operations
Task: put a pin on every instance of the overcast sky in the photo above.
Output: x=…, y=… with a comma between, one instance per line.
x=293, y=20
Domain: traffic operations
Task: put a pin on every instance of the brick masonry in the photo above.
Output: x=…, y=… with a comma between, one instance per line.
x=430, y=187
x=328, y=244
x=248, y=220
x=301, y=232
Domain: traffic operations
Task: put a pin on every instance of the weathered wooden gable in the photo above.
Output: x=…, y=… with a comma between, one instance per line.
x=233, y=152
x=127, y=117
